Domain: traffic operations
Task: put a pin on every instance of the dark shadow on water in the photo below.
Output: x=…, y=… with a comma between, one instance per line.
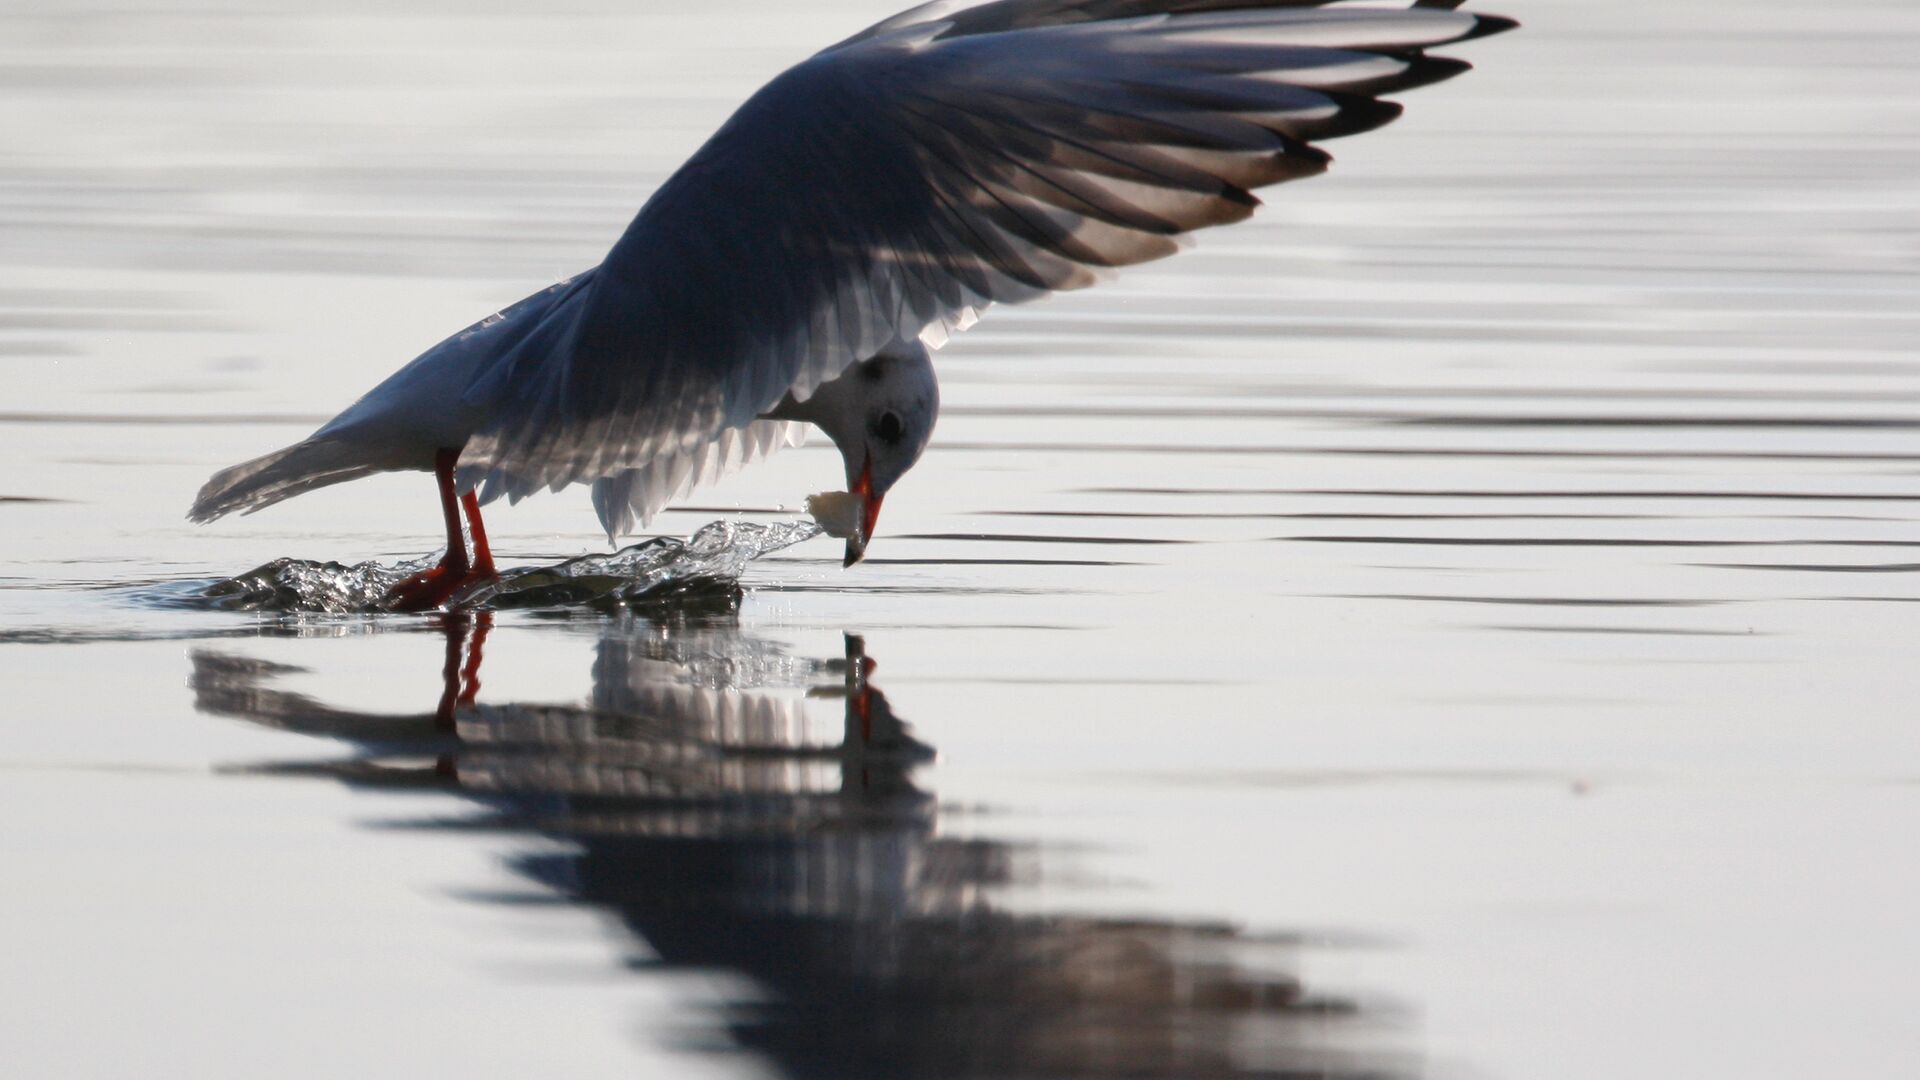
x=1584, y=541
x=998, y=562
x=1630, y=631
x=1521, y=493
x=1533, y=601
x=744, y=810
x=1821, y=568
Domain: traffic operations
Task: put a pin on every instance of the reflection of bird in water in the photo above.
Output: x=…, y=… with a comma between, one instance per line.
x=729, y=830
x=873, y=198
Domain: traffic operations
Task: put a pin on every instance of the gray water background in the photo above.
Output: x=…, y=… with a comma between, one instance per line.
x=1459, y=623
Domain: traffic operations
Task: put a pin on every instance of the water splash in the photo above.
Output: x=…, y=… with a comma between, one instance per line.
x=704, y=566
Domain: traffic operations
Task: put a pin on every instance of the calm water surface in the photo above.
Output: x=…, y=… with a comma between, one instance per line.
x=1460, y=624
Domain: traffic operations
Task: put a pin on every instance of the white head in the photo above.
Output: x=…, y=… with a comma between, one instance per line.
x=880, y=413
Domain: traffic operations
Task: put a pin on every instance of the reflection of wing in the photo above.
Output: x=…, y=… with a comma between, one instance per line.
x=680, y=742
x=898, y=183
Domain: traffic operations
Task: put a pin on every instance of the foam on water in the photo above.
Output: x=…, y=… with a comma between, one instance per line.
x=660, y=569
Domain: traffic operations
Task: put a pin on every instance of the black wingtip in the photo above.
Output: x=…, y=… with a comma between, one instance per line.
x=1421, y=70
x=1356, y=114
x=1311, y=158
x=1238, y=196
x=1428, y=70
x=1489, y=25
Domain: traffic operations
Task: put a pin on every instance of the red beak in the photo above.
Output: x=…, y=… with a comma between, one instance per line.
x=869, y=514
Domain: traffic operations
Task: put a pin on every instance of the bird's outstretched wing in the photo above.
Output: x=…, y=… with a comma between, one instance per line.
x=899, y=182
x=963, y=17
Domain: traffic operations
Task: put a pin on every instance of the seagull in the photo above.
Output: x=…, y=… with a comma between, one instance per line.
x=855, y=213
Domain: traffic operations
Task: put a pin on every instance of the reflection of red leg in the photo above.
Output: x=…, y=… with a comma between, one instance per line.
x=470, y=675
x=456, y=631
x=431, y=588
x=460, y=683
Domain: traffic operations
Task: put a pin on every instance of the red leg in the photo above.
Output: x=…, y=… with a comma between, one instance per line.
x=443, y=463
x=482, y=554
x=431, y=588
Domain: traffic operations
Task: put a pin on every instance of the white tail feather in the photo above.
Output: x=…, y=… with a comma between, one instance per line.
x=254, y=485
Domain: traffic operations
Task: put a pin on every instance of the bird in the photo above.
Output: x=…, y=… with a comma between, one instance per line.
x=855, y=213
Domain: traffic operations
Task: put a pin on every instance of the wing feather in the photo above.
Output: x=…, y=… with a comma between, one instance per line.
x=899, y=183
x=634, y=496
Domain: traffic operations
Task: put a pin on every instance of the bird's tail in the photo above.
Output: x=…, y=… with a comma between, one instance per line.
x=253, y=485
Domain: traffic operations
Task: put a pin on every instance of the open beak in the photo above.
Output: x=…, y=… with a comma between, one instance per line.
x=869, y=515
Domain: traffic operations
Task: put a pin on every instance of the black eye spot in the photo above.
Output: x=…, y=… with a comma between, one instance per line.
x=887, y=427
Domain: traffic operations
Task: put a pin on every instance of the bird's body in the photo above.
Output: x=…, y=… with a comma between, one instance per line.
x=873, y=198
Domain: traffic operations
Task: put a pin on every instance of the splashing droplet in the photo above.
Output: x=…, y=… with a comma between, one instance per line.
x=665, y=569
